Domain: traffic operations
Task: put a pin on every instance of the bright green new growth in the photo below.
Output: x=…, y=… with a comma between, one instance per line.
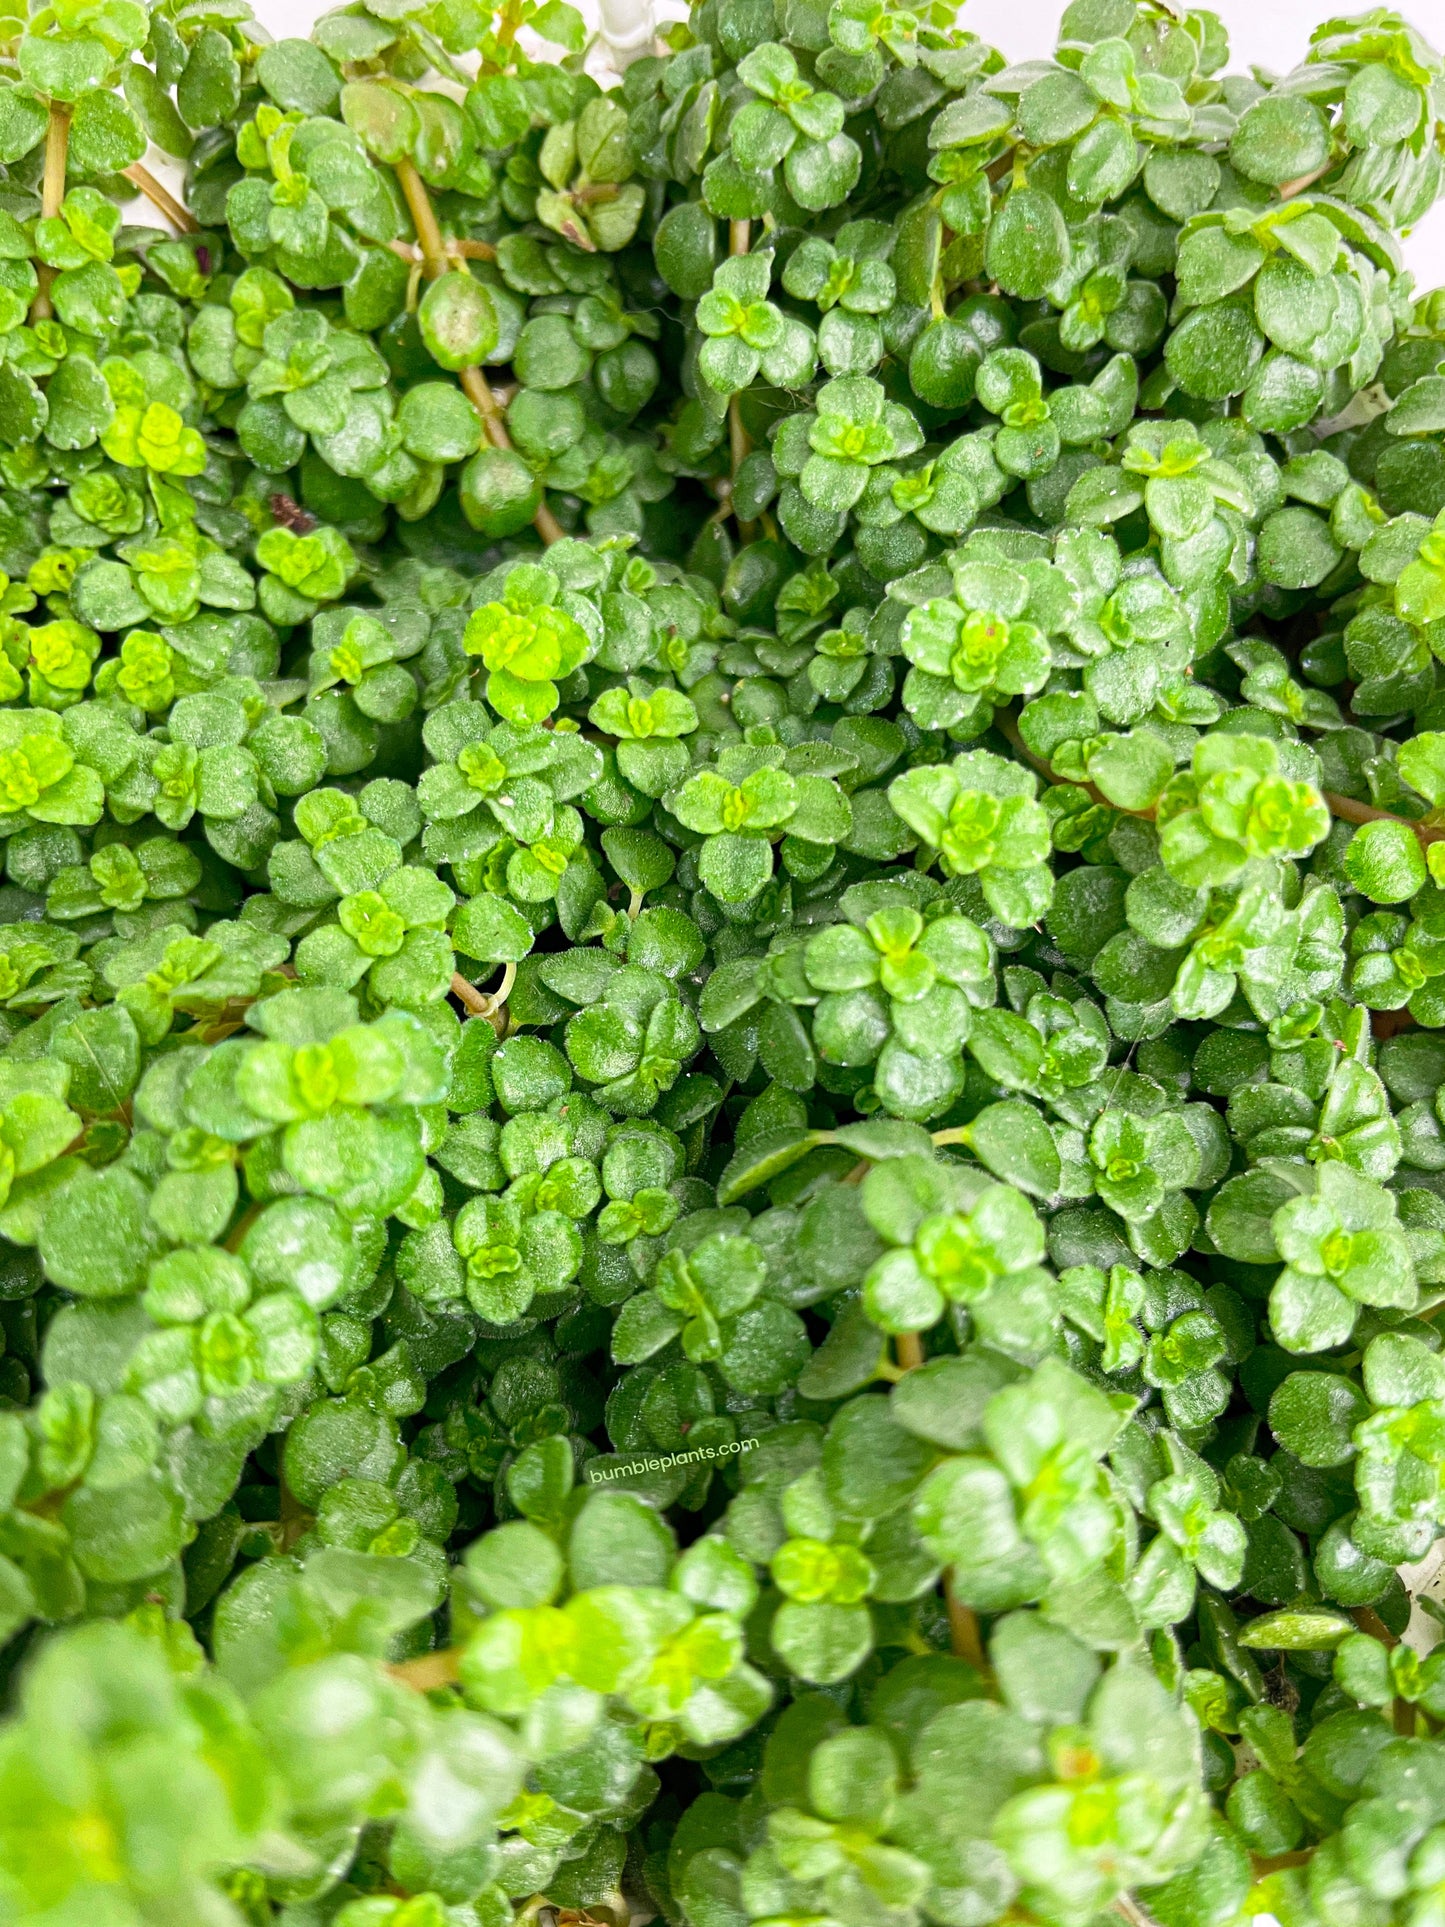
x=722, y=973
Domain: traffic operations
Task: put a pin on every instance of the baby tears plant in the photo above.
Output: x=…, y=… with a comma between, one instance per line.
x=721, y=939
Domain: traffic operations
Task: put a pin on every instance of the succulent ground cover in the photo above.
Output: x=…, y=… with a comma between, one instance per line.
x=722, y=973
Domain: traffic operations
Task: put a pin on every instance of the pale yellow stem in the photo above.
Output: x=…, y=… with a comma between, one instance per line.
x=431, y=1670
x=964, y=1636
x=1291, y=188
x=161, y=197
x=52, y=194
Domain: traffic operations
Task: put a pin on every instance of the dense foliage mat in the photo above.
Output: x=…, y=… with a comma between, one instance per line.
x=722, y=973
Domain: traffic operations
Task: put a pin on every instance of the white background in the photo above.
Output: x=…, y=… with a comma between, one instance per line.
x=1270, y=34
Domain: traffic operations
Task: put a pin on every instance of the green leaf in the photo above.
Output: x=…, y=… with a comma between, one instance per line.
x=1280, y=137
x=1028, y=244
x=1297, y=1631
x=1384, y=861
x=1015, y=1143
x=105, y=135
x=764, y=1158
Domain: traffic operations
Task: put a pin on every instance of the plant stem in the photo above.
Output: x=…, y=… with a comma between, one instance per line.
x=1349, y=811
x=180, y=218
x=1004, y=723
x=474, y=383
x=52, y=193
x=57, y=145
x=296, y=1521
x=423, y=219
x=909, y=1347
x=431, y=1670
x=1129, y=1907
x=740, y=234
x=739, y=445
x=478, y=392
x=1291, y=188
x=503, y=991
x=1344, y=807
x=1402, y=1713
x=1263, y=1864
x=455, y=250
x=1369, y=1621
x=242, y=1225
x=467, y=993
x=964, y=1636
x=488, y=1004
